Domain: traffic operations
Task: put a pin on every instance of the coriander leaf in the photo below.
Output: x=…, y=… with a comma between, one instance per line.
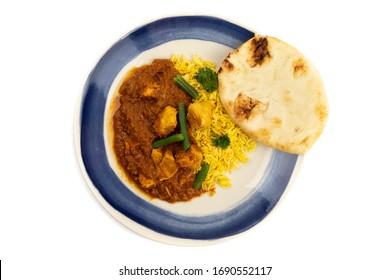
x=207, y=78
x=222, y=141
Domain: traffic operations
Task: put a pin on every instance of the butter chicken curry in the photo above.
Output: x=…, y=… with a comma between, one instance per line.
x=147, y=112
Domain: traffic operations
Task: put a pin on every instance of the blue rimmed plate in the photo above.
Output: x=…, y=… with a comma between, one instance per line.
x=257, y=185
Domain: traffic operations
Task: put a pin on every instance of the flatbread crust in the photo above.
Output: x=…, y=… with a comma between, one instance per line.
x=274, y=93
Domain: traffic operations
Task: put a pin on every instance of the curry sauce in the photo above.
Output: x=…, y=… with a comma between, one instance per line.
x=147, y=111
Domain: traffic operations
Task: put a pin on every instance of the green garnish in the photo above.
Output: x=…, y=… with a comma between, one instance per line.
x=184, y=85
x=183, y=126
x=222, y=141
x=201, y=176
x=207, y=78
x=168, y=140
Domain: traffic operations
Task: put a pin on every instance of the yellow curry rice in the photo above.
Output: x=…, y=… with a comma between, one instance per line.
x=220, y=160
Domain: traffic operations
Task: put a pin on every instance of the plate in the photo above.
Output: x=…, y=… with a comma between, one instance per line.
x=257, y=185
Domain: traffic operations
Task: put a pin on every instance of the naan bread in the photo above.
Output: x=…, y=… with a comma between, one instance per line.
x=274, y=93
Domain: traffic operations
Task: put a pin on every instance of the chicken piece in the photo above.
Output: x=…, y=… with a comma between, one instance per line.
x=167, y=167
x=146, y=182
x=157, y=155
x=150, y=91
x=200, y=114
x=166, y=121
x=191, y=158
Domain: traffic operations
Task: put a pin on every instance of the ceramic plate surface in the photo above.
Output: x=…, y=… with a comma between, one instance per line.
x=257, y=185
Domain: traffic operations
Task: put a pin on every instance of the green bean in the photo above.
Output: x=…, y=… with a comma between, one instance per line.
x=184, y=85
x=201, y=176
x=168, y=140
x=183, y=126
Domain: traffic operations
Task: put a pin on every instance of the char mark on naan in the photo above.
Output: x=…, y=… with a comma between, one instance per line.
x=259, y=50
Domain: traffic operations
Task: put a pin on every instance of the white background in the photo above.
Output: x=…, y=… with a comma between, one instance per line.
x=332, y=224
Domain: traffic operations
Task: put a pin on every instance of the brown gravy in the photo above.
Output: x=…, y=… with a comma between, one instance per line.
x=166, y=173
